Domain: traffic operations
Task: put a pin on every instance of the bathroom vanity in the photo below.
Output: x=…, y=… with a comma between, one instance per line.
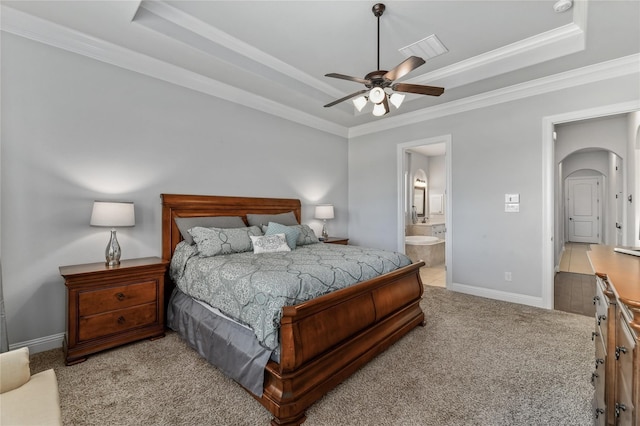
x=616, y=337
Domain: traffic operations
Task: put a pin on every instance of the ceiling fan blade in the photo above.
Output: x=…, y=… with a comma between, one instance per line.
x=348, y=77
x=408, y=65
x=416, y=88
x=353, y=95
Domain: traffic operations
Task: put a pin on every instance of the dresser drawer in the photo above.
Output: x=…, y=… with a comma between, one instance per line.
x=111, y=322
x=112, y=298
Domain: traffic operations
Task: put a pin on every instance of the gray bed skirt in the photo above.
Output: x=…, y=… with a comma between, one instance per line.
x=229, y=346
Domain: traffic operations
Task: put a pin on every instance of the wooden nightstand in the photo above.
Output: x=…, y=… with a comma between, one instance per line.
x=337, y=240
x=111, y=306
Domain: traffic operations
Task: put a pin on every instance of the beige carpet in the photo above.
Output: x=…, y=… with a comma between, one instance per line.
x=477, y=362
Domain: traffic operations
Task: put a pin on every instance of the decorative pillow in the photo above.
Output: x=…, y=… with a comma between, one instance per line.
x=291, y=233
x=186, y=223
x=215, y=241
x=288, y=218
x=269, y=243
x=307, y=236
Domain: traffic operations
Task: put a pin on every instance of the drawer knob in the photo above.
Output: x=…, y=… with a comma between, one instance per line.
x=619, y=350
x=594, y=376
x=594, y=335
x=595, y=299
x=120, y=296
x=599, y=361
x=121, y=320
x=598, y=412
x=620, y=407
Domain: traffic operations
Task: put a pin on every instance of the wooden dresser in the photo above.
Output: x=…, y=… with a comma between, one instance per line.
x=111, y=306
x=616, y=376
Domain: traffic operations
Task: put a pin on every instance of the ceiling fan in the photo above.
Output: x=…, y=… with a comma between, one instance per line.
x=376, y=81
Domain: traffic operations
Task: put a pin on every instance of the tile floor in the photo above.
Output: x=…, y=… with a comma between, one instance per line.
x=574, y=285
x=435, y=276
x=574, y=259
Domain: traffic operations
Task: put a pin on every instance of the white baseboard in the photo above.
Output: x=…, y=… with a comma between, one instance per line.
x=498, y=295
x=41, y=344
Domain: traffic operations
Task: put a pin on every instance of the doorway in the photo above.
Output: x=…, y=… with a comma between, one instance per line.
x=552, y=236
x=440, y=185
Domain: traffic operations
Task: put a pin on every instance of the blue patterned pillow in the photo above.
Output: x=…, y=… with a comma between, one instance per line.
x=290, y=232
x=215, y=241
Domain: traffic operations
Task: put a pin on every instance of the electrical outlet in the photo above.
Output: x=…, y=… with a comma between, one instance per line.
x=507, y=276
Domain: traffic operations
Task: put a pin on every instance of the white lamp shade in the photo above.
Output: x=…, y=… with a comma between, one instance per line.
x=360, y=102
x=112, y=214
x=324, y=211
x=396, y=99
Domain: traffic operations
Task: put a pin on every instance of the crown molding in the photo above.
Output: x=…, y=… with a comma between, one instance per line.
x=43, y=31
x=627, y=65
x=536, y=49
x=549, y=45
x=218, y=37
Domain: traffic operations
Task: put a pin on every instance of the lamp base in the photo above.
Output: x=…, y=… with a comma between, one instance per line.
x=325, y=234
x=112, y=252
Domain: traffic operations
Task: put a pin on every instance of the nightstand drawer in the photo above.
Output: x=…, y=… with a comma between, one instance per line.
x=117, y=321
x=99, y=301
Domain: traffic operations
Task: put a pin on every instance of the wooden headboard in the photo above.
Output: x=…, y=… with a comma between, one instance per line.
x=179, y=205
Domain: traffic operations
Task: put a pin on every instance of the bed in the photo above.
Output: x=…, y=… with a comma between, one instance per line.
x=322, y=341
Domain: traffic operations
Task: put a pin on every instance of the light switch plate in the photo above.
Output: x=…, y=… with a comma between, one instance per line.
x=512, y=207
x=511, y=198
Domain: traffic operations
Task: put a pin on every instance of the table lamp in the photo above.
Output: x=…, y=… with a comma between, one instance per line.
x=112, y=214
x=324, y=212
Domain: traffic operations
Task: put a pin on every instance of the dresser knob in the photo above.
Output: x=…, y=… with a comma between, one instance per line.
x=121, y=320
x=619, y=350
x=601, y=318
x=620, y=407
x=120, y=296
x=593, y=335
x=598, y=412
x=599, y=361
x=595, y=299
x=594, y=376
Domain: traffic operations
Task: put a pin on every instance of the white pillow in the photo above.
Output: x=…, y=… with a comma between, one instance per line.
x=269, y=243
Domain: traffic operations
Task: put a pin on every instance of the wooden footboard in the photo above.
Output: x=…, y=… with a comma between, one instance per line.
x=324, y=340
x=327, y=339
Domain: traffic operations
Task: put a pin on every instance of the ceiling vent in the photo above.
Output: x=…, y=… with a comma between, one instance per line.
x=427, y=48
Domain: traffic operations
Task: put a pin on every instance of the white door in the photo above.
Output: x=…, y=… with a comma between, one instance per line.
x=583, y=209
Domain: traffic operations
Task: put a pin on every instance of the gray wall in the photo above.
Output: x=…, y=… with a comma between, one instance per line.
x=75, y=130
x=494, y=150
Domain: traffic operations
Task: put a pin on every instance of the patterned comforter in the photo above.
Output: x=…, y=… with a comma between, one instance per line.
x=253, y=288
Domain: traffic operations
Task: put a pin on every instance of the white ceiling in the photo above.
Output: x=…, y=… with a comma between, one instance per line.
x=272, y=55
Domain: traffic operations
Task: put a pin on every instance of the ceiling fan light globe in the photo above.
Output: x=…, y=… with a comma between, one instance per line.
x=379, y=110
x=360, y=102
x=396, y=99
x=377, y=95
